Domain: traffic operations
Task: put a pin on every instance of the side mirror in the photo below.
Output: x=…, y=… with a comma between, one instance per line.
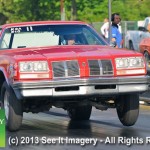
x=142, y=29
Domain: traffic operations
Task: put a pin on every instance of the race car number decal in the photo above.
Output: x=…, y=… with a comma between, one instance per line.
x=16, y=30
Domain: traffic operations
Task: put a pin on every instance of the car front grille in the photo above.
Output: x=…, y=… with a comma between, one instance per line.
x=64, y=69
x=100, y=67
x=70, y=68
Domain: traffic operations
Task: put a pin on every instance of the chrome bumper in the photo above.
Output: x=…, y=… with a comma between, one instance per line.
x=82, y=87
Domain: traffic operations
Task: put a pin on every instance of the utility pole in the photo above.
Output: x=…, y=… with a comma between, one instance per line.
x=73, y=10
x=62, y=10
x=109, y=14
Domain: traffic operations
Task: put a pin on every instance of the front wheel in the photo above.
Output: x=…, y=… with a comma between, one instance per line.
x=127, y=107
x=80, y=112
x=12, y=107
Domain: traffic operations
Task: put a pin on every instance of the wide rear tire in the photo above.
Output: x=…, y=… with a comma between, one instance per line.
x=80, y=112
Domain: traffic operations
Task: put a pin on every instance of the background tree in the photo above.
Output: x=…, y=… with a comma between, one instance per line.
x=85, y=10
x=73, y=10
x=30, y=10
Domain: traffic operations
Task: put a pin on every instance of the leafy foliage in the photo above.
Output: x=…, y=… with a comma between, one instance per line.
x=30, y=10
x=85, y=10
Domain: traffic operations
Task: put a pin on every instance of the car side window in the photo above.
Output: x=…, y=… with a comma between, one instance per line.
x=5, y=41
x=91, y=39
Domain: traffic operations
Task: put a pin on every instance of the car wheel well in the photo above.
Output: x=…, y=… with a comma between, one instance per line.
x=147, y=56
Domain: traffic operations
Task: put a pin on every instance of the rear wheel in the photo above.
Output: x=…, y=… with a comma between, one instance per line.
x=147, y=57
x=128, y=109
x=80, y=112
x=12, y=107
x=131, y=45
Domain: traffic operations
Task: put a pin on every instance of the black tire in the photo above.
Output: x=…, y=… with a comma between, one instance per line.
x=13, y=108
x=80, y=112
x=131, y=45
x=127, y=107
x=147, y=57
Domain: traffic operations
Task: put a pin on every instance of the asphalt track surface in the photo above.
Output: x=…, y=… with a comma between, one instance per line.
x=53, y=130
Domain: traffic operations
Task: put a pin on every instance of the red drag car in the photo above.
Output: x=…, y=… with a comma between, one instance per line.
x=67, y=65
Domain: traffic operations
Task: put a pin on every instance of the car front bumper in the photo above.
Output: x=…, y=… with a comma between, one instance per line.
x=82, y=87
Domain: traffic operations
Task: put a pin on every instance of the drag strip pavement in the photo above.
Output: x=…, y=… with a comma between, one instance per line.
x=54, y=130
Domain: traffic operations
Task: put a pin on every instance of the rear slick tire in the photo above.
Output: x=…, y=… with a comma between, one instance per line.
x=80, y=112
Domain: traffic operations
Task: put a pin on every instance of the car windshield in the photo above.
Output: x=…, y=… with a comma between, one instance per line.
x=49, y=35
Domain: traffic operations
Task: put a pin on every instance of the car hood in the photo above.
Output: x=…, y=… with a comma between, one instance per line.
x=71, y=52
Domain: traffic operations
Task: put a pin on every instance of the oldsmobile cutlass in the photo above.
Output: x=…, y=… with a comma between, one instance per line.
x=38, y=70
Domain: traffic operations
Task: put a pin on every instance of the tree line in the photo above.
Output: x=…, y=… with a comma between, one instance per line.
x=84, y=10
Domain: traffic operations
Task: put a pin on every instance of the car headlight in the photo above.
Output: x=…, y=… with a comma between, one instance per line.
x=34, y=66
x=121, y=63
x=131, y=62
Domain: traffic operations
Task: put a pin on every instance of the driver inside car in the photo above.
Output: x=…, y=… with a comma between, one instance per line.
x=68, y=40
x=71, y=40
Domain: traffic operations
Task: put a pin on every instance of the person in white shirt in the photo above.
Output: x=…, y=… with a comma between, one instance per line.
x=105, y=29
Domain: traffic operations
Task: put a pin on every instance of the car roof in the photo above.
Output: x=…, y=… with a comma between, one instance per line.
x=42, y=22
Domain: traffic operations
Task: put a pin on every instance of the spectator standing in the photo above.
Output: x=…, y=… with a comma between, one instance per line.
x=116, y=35
x=105, y=29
